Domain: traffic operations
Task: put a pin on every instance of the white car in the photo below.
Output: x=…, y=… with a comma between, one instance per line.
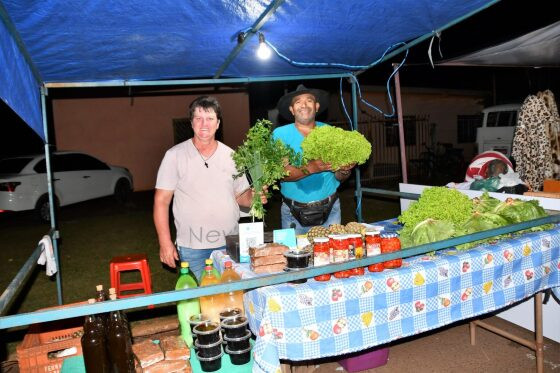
x=77, y=177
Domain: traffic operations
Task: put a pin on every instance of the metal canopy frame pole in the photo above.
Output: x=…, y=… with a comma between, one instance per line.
x=52, y=203
x=402, y=145
x=270, y=9
x=358, y=192
x=245, y=284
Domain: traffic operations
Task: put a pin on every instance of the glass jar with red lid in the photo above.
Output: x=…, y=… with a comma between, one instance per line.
x=321, y=256
x=390, y=243
x=373, y=248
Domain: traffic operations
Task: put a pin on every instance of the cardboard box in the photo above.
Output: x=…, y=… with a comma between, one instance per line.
x=551, y=185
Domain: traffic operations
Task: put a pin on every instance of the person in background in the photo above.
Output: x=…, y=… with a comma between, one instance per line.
x=197, y=175
x=309, y=192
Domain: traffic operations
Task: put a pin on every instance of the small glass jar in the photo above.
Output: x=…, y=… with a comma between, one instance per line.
x=340, y=248
x=321, y=256
x=355, y=241
x=390, y=243
x=373, y=248
x=331, y=246
x=321, y=251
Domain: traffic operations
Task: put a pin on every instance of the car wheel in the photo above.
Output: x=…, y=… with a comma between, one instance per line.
x=122, y=190
x=43, y=208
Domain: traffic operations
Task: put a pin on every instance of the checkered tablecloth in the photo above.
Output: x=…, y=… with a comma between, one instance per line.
x=319, y=319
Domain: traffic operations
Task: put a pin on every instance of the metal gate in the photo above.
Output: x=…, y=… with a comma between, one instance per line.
x=383, y=134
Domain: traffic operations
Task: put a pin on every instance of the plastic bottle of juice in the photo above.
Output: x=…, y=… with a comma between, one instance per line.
x=96, y=359
x=233, y=299
x=186, y=308
x=209, y=262
x=119, y=343
x=211, y=305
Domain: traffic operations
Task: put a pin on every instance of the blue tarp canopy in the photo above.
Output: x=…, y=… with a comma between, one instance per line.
x=43, y=43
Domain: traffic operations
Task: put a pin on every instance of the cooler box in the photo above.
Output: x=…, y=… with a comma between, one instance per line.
x=361, y=361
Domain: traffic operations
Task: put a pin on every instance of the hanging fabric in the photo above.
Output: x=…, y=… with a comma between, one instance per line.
x=554, y=131
x=532, y=144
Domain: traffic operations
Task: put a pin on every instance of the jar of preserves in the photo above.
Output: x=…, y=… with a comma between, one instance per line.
x=323, y=277
x=355, y=240
x=390, y=243
x=321, y=251
x=373, y=248
x=331, y=246
x=340, y=248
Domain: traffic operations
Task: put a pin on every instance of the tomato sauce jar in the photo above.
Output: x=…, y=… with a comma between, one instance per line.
x=321, y=256
x=340, y=253
x=340, y=248
x=373, y=248
x=390, y=243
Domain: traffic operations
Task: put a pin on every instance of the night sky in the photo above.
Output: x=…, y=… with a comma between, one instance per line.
x=501, y=22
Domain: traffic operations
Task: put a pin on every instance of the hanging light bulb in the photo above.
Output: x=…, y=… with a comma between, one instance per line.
x=263, y=52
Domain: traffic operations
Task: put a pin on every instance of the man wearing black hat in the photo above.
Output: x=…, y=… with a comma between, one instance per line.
x=309, y=192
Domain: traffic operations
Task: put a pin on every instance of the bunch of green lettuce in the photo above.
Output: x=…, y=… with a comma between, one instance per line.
x=485, y=203
x=336, y=146
x=263, y=158
x=481, y=221
x=439, y=203
x=517, y=210
x=431, y=230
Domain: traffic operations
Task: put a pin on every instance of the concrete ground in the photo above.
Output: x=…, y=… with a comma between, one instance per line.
x=449, y=350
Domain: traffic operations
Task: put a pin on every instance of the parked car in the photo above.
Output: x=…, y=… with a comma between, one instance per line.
x=77, y=177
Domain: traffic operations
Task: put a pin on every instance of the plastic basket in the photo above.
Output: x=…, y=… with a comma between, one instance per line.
x=37, y=351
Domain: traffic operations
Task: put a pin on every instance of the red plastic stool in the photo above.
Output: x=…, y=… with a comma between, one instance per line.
x=132, y=262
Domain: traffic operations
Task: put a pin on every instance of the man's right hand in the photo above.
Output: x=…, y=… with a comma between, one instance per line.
x=318, y=165
x=168, y=254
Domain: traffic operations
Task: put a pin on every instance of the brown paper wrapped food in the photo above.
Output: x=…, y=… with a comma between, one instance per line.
x=267, y=260
x=267, y=250
x=271, y=268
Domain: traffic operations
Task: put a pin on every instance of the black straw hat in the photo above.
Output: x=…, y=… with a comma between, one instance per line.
x=285, y=101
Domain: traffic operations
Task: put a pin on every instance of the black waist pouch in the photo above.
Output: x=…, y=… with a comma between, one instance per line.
x=311, y=214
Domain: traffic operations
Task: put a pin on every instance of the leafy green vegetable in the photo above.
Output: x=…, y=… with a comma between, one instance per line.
x=516, y=210
x=481, y=221
x=485, y=203
x=431, y=230
x=336, y=146
x=439, y=203
x=263, y=158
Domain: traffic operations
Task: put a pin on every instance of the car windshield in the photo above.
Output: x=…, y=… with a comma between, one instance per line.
x=13, y=165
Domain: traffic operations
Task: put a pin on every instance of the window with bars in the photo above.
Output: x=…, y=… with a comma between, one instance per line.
x=466, y=127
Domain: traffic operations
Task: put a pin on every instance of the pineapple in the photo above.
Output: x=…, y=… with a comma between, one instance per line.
x=337, y=229
x=315, y=232
x=354, y=227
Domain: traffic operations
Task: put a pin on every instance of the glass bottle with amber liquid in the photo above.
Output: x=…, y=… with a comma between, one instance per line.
x=119, y=343
x=93, y=341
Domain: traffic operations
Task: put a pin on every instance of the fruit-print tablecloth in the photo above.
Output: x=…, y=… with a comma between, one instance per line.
x=319, y=319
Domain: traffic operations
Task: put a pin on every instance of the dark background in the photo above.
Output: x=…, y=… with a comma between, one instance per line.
x=501, y=22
